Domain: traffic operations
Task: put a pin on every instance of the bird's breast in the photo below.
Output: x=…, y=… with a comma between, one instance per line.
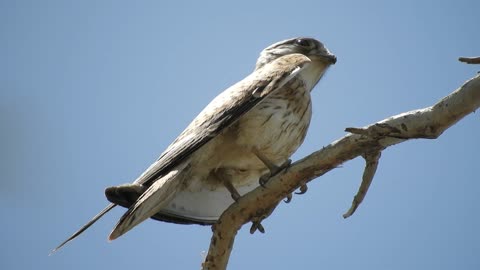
x=277, y=126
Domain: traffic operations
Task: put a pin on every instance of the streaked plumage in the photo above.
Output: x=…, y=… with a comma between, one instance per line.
x=267, y=115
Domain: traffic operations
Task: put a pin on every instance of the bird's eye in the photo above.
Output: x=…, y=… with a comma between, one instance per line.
x=302, y=42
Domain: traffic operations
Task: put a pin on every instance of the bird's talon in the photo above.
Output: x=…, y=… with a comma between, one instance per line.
x=256, y=225
x=288, y=198
x=303, y=189
x=260, y=228
x=263, y=180
x=253, y=228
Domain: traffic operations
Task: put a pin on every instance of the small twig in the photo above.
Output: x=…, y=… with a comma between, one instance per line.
x=371, y=164
x=470, y=60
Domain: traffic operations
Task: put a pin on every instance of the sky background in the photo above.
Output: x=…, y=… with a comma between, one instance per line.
x=91, y=92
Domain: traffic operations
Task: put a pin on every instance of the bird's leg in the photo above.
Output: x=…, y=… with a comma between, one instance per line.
x=256, y=221
x=233, y=191
x=274, y=169
x=225, y=178
x=221, y=175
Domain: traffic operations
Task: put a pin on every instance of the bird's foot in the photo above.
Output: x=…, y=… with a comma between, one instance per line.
x=303, y=189
x=288, y=199
x=256, y=225
x=274, y=170
x=256, y=221
x=225, y=178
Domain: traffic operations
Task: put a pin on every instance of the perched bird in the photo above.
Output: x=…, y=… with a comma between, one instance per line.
x=245, y=135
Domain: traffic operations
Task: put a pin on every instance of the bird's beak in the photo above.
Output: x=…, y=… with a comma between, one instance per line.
x=332, y=59
x=325, y=57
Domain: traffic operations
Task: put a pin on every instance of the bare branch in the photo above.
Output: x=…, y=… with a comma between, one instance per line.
x=375, y=131
x=428, y=123
x=470, y=60
x=371, y=164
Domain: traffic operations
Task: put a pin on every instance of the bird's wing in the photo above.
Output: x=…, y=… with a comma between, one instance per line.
x=223, y=111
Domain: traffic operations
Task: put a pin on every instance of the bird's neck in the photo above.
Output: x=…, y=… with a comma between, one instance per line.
x=312, y=74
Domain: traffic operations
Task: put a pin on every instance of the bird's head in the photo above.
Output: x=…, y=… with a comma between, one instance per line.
x=312, y=48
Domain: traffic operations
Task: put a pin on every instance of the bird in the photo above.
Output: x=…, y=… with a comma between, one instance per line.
x=237, y=142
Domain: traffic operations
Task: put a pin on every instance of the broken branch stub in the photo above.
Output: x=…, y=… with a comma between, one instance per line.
x=371, y=164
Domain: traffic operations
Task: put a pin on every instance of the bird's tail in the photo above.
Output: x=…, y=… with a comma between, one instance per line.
x=155, y=198
x=86, y=226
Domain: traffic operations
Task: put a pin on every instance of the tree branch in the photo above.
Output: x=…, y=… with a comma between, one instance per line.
x=469, y=60
x=368, y=142
x=371, y=164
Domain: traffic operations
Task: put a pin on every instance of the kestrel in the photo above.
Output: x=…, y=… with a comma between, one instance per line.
x=246, y=134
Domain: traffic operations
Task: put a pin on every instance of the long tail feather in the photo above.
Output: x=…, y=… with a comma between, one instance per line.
x=84, y=227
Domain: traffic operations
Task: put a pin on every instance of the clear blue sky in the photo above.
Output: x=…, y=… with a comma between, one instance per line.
x=92, y=91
